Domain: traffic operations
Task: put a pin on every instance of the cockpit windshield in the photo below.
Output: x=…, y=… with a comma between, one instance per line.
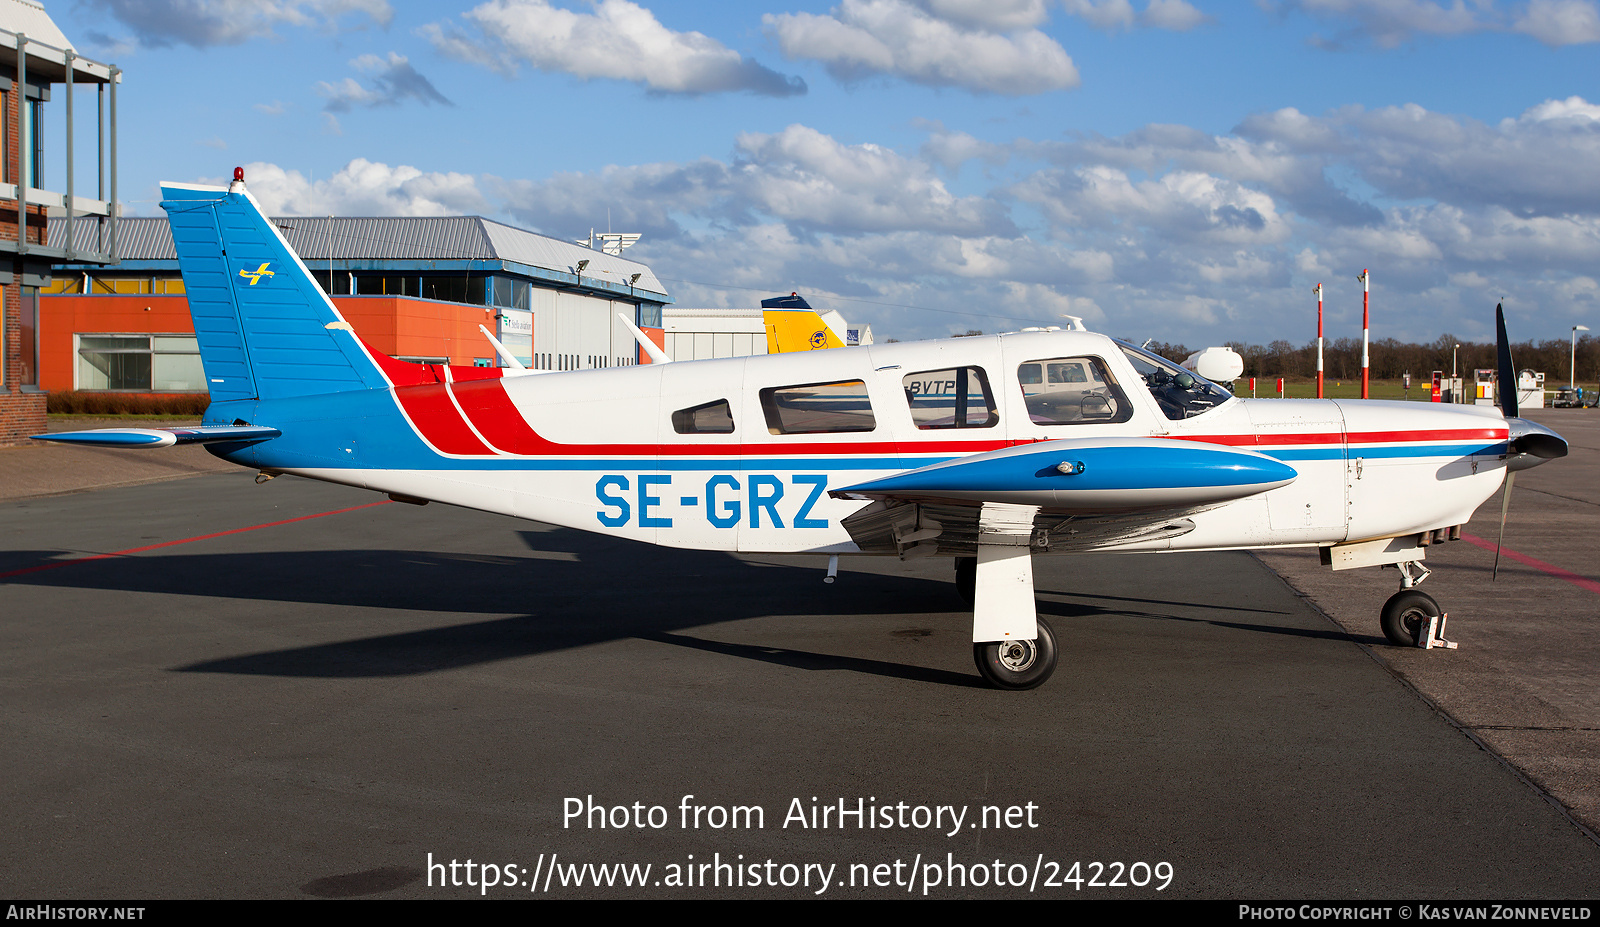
x=1180, y=393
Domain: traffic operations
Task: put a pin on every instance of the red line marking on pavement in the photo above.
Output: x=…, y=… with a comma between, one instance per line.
x=1540, y=565
x=203, y=537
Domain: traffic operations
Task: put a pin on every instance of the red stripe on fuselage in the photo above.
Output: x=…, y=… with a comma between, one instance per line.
x=436, y=419
x=497, y=418
x=1278, y=439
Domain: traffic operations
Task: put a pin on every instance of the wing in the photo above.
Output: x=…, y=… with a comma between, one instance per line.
x=1088, y=494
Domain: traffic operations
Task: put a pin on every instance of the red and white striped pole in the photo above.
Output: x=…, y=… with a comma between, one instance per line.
x=1318, y=288
x=1366, y=364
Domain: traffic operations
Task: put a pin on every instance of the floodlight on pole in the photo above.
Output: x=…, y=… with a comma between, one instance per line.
x=1572, y=362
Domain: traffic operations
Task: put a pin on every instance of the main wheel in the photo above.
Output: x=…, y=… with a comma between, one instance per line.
x=1405, y=616
x=967, y=579
x=1017, y=664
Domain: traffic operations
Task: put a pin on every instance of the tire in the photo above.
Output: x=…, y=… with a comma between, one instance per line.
x=1406, y=615
x=1017, y=665
x=967, y=579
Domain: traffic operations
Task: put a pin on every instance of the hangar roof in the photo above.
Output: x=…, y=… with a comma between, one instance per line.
x=400, y=243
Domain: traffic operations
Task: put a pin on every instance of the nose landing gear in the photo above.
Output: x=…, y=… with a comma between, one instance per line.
x=1411, y=618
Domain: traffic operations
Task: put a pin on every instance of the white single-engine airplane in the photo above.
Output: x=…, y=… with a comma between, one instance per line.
x=988, y=450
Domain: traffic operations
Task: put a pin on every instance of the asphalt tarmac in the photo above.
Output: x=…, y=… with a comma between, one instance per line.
x=252, y=698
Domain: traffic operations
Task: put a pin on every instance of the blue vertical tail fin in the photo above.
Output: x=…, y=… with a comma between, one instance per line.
x=265, y=329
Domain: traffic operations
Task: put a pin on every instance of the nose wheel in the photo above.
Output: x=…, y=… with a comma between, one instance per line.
x=1405, y=616
x=1017, y=664
x=1411, y=618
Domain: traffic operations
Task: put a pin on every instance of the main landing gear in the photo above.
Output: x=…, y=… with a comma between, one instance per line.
x=1411, y=618
x=1018, y=664
x=1013, y=647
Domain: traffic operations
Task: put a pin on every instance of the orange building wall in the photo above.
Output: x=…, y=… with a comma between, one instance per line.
x=60, y=317
x=396, y=325
x=402, y=326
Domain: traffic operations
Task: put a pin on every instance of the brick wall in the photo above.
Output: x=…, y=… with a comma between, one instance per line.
x=21, y=413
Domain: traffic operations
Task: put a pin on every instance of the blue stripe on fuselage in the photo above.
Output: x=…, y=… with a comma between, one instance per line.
x=363, y=429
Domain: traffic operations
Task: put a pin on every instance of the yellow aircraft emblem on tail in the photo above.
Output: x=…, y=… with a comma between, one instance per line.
x=798, y=330
x=256, y=275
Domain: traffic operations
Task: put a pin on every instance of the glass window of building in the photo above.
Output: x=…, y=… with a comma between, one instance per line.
x=144, y=363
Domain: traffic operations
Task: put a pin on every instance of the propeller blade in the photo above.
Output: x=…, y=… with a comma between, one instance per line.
x=1505, y=506
x=1506, y=378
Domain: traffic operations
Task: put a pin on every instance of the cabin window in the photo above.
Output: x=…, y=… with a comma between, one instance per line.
x=1072, y=391
x=818, y=407
x=1180, y=393
x=711, y=418
x=956, y=397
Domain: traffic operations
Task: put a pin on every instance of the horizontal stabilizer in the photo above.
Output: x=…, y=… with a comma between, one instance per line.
x=163, y=437
x=1090, y=474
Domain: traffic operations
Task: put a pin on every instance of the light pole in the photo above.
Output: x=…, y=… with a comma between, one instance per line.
x=1318, y=289
x=1572, y=362
x=1366, y=364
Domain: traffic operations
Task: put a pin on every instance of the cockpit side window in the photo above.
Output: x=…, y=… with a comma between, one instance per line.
x=711, y=418
x=1180, y=393
x=956, y=397
x=1072, y=391
x=815, y=408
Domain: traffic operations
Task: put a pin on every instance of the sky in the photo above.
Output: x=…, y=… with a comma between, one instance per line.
x=1182, y=170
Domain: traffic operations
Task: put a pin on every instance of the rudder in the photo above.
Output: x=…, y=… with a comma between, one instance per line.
x=264, y=327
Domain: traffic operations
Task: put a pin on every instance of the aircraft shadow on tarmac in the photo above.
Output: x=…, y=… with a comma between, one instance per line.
x=575, y=590
x=1128, y=610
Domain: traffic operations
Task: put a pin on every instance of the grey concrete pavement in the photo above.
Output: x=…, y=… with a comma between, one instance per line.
x=300, y=704
x=1526, y=679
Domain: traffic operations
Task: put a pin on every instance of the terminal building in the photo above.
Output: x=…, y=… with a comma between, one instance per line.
x=45, y=82
x=416, y=288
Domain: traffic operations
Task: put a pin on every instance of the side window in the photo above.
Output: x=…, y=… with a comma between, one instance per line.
x=956, y=397
x=818, y=407
x=711, y=418
x=1072, y=391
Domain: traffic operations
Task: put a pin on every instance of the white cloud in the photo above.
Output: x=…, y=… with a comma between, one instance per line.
x=1561, y=22
x=364, y=188
x=799, y=176
x=1165, y=231
x=1173, y=15
x=1103, y=14
x=861, y=38
x=1538, y=164
x=989, y=15
x=201, y=23
x=393, y=80
x=950, y=149
x=1389, y=23
x=619, y=41
x=1185, y=206
x=802, y=175
x=1570, y=108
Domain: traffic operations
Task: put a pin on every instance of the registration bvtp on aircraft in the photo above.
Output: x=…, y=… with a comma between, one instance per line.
x=987, y=450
